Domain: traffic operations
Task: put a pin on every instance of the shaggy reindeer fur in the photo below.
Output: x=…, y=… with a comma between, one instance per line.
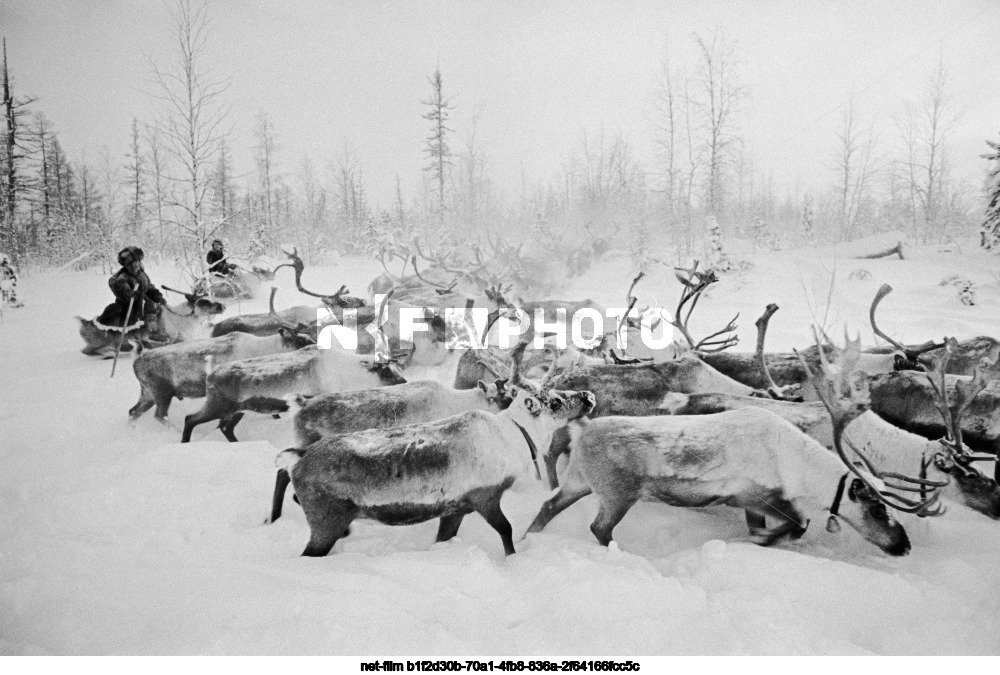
x=637, y=391
x=908, y=400
x=786, y=369
x=750, y=459
x=180, y=370
x=382, y=408
x=444, y=469
x=260, y=384
x=266, y=323
x=888, y=447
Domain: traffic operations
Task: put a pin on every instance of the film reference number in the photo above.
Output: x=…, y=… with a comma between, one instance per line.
x=506, y=666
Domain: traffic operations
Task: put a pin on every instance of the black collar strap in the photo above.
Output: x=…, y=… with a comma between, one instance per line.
x=532, y=448
x=831, y=523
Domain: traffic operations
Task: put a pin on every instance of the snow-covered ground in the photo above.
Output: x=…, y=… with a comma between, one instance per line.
x=115, y=539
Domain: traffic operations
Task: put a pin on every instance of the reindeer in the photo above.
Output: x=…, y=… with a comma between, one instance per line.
x=180, y=370
x=337, y=302
x=271, y=323
x=912, y=400
x=887, y=447
x=638, y=390
x=259, y=384
x=181, y=322
x=750, y=459
x=443, y=469
x=386, y=407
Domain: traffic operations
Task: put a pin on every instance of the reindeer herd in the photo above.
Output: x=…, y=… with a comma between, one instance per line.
x=406, y=431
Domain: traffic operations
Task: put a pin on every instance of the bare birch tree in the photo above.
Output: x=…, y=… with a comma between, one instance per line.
x=854, y=163
x=925, y=127
x=191, y=129
x=668, y=126
x=720, y=97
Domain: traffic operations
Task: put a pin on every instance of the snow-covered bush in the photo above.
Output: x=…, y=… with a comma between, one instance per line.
x=965, y=286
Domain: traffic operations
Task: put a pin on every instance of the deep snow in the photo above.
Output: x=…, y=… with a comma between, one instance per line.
x=115, y=539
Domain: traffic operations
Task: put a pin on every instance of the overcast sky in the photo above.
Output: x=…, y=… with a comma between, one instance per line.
x=537, y=73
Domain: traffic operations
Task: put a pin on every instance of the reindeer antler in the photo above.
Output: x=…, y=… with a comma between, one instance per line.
x=911, y=353
x=829, y=390
x=780, y=393
x=965, y=392
x=695, y=283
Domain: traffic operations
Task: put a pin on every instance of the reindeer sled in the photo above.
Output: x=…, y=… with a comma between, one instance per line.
x=238, y=284
x=178, y=323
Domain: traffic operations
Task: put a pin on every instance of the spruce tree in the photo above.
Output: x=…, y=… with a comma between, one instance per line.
x=990, y=233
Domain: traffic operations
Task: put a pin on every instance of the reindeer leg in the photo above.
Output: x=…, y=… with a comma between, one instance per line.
x=329, y=520
x=214, y=409
x=572, y=490
x=281, y=482
x=611, y=512
x=448, y=527
x=755, y=521
x=163, y=406
x=146, y=401
x=793, y=523
x=487, y=504
x=227, y=424
x=558, y=446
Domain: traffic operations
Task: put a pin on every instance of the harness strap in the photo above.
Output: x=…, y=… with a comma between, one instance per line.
x=532, y=448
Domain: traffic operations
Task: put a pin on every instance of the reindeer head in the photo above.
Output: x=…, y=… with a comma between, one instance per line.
x=202, y=306
x=976, y=489
x=870, y=491
x=866, y=512
x=295, y=336
x=538, y=396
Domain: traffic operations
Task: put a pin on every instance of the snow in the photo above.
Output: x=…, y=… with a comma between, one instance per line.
x=115, y=539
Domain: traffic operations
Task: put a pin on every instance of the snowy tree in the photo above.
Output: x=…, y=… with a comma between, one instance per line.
x=717, y=259
x=808, y=220
x=265, y=149
x=437, y=149
x=136, y=167
x=990, y=232
x=13, y=152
